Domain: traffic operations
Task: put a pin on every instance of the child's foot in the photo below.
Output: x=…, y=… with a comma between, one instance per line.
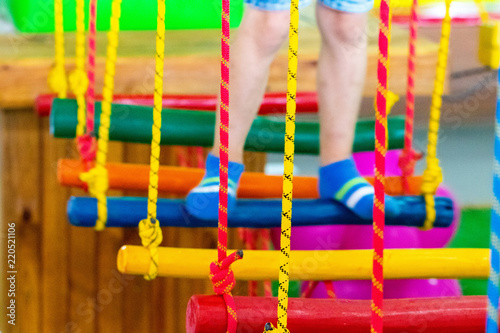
x=342, y=182
x=203, y=200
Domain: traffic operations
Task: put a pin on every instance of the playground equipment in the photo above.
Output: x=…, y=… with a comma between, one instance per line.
x=254, y=213
x=180, y=180
x=151, y=260
x=489, y=39
x=131, y=124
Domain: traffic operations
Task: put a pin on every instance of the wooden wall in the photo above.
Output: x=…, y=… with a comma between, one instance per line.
x=66, y=276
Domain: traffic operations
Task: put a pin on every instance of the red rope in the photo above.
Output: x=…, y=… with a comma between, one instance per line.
x=330, y=291
x=91, y=66
x=265, y=235
x=249, y=238
x=86, y=143
x=223, y=260
x=311, y=286
x=181, y=157
x=380, y=151
x=408, y=156
x=200, y=157
x=224, y=136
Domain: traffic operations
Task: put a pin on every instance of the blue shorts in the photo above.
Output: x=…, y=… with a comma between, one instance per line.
x=351, y=6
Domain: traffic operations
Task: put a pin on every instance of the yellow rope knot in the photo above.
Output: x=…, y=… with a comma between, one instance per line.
x=78, y=81
x=270, y=328
x=151, y=238
x=57, y=81
x=431, y=179
x=96, y=179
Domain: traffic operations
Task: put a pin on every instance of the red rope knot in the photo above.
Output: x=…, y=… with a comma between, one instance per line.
x=407, y=161
x=86, y=144
x=222, y=275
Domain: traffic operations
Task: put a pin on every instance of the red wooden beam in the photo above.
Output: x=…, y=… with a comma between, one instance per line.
x=431, y=315
x=272, y=103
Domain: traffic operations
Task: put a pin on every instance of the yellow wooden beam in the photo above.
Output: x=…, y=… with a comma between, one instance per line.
x=313, y=265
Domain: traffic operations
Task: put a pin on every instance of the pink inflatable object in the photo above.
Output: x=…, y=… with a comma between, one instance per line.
x=360, y=237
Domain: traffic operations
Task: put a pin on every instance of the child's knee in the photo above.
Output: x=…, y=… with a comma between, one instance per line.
x=269, y=29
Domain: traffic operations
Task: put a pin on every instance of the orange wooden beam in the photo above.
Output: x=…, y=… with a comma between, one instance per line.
x=180, y=180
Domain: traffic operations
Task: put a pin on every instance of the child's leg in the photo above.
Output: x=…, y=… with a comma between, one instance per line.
x=341, y=75
x=260, y=36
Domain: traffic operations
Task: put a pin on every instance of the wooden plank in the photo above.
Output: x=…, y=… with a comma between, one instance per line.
x=96, y=286
x=55, y=249
x=82, y=275
x=21, y=204
x=110, y=283
x=137, y=307
x=192, y=61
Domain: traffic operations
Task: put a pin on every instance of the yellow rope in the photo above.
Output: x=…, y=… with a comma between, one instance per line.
x=432, y=176
x=485, y=17
x=286, y=215
x=57, y=76
x=78, y=79
x=97, y=178
x=149, y=229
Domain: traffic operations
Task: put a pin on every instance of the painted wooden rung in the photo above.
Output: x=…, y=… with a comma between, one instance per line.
x=128, y=211
x=207, y=314
x=180, y=180
x=258, y=265
x=489, y=44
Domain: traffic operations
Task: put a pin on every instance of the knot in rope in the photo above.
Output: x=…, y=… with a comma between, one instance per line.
x=96, y=179
x=150, y=232
x=270, y=328
x=432, y=177
x=151, y=238
x=78, y=81
x=407, y=161
x=222, y=275
x=57, y=79
x=86, y=147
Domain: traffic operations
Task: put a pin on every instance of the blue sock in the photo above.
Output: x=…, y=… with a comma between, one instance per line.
x=203, y=200
x=342, y=182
